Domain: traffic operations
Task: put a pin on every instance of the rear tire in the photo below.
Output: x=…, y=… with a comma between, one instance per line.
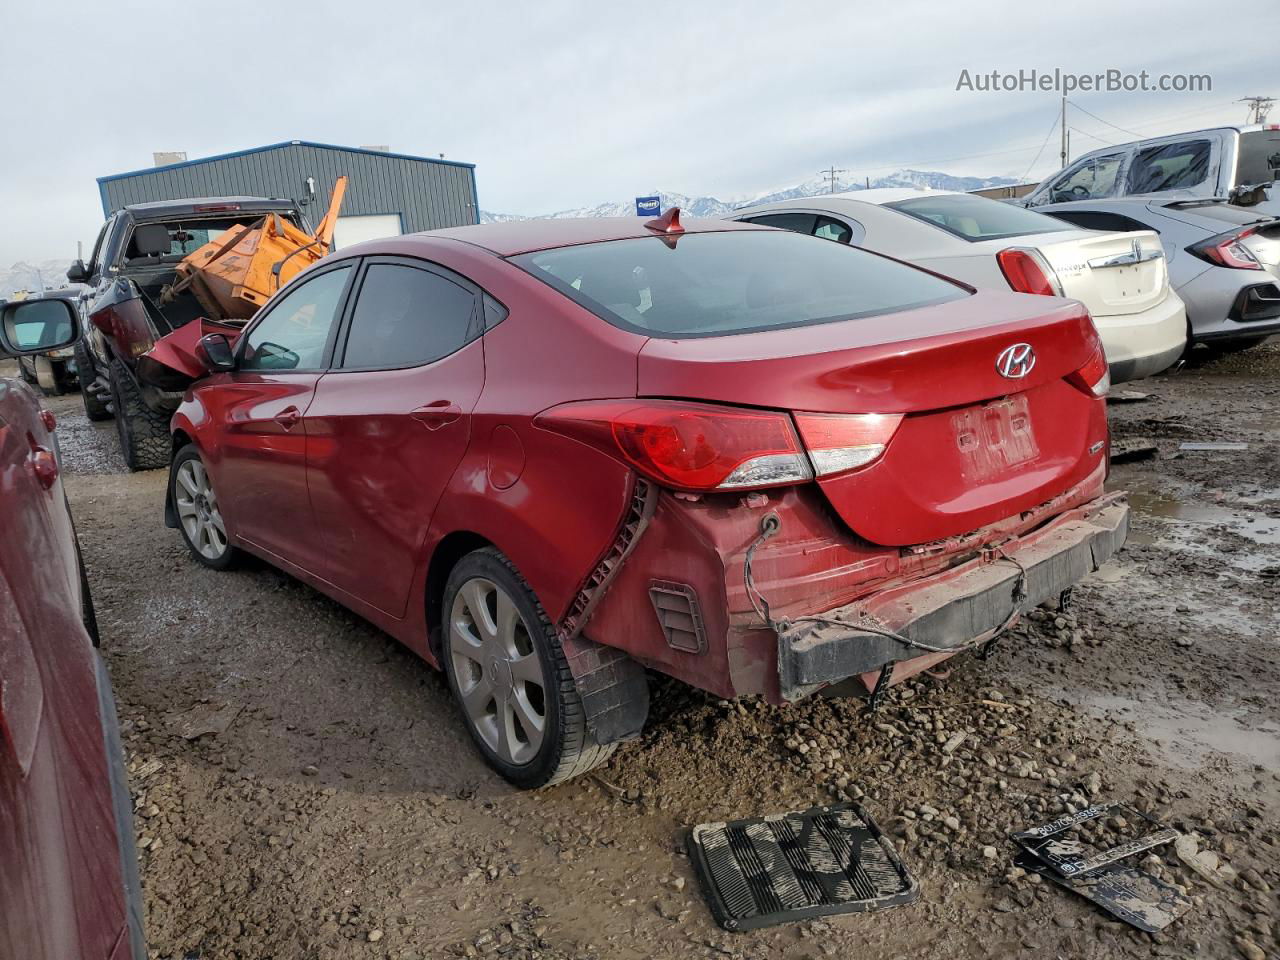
x=52, y=383
x=199, y=514
x=27, y=376
x=508, y=672
x=144, y=433
x=95, y=408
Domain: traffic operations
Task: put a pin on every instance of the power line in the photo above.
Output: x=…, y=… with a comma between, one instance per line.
x=1044, y=143
x=1179, y=116
x=1259, y=107
x=1107, y=122
x=1093, y=136
x=830, y=175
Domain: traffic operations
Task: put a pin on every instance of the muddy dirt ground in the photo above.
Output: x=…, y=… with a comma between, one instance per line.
x=336, y=808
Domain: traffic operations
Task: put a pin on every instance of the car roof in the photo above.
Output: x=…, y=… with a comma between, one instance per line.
x=159, y=208
x=524, y=236
x=879, y=197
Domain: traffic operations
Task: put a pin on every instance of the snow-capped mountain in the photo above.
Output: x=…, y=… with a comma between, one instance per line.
x=715, y=207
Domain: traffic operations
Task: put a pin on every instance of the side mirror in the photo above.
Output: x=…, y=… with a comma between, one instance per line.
x=29, y=327
x=78, y=272
x=214, y=351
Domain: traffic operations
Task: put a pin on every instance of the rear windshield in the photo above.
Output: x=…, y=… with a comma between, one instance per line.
x=188, y=234
x=716, y=284
x=977, y=218
x=1259, y=157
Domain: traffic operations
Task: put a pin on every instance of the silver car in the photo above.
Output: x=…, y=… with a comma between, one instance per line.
x=1224, y=260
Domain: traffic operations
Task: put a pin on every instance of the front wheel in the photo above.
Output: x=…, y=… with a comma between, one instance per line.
x=508, y=672
x=199, y=514
x=144, y=433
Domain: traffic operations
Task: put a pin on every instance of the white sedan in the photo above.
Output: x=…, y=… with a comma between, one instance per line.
x=1121, y=277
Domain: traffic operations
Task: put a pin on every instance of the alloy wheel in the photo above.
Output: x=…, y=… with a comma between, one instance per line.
x=498, y=671
x=198, y=510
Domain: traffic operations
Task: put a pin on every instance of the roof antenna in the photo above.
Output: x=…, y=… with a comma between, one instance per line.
x=669, y=222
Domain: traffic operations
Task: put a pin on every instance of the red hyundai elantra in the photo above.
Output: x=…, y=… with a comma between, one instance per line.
x=550, y=455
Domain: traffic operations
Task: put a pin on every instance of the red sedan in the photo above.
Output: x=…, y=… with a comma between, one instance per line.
x=550, y=455
x=68, y=869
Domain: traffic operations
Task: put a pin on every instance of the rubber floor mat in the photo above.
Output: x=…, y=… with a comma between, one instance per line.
x=794, y=866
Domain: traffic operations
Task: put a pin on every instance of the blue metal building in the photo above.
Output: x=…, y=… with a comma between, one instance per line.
x=388, y=193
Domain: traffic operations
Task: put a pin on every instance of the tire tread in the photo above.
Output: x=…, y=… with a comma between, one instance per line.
x=579, y=753
x=144, y=433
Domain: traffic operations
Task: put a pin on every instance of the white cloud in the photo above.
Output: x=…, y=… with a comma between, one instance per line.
x=562, y=104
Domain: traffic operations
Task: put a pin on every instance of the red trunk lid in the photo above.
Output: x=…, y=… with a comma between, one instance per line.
x=973, y=448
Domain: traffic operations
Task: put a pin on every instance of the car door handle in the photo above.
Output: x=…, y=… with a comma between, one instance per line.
x=288, y=417
x=435, y=415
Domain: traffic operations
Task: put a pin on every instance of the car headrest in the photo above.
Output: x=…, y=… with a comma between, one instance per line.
x=151, y=240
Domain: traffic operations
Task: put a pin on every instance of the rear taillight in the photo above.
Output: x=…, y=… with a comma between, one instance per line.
x=1227, y=250
x=840, y=442
x=126, y=324
x=689, y=446
x=1028, y=272
x=1095, y=376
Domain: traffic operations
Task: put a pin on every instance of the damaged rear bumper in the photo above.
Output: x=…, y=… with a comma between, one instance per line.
x=952, y=610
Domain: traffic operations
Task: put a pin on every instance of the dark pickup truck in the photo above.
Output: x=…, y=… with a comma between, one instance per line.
x=133, y=260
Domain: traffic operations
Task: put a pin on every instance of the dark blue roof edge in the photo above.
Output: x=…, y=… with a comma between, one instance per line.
x=280, y=146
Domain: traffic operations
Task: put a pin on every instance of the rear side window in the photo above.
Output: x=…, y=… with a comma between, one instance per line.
x=798, y=222
x=406, y=316
x=977, y=218
x=1259, y=160
x=1170, y=166
x=829, y=229
x=716, y=284
x=1098, y=220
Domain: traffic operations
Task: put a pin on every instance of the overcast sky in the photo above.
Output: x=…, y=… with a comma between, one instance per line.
x=563, y=103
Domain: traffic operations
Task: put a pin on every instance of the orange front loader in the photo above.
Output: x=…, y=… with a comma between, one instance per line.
x=234, y=275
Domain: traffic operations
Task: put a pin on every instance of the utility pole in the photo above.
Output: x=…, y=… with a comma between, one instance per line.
x=1259, y=107
x=1062, y=150
x=830, y=175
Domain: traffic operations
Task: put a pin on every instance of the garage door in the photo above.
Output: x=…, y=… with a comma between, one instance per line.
x=349, y=230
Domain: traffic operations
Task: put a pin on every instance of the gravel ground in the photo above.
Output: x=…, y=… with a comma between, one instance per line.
x=333, y=807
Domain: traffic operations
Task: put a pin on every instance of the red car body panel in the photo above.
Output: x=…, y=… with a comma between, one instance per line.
x=380, y=453
x=62, y=875
x=379, y=498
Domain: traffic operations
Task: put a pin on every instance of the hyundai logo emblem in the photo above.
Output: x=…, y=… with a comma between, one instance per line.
x=1016, y=362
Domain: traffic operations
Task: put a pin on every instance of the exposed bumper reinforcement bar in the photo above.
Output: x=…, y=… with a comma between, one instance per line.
x=954, y=609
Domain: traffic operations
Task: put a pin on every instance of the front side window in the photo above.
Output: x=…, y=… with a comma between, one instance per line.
x=977, y=218
x=1170, y=166
x=741, y=281
x=406, y=316
x=95, y=258
x=294, y=334
x=1092, y=179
